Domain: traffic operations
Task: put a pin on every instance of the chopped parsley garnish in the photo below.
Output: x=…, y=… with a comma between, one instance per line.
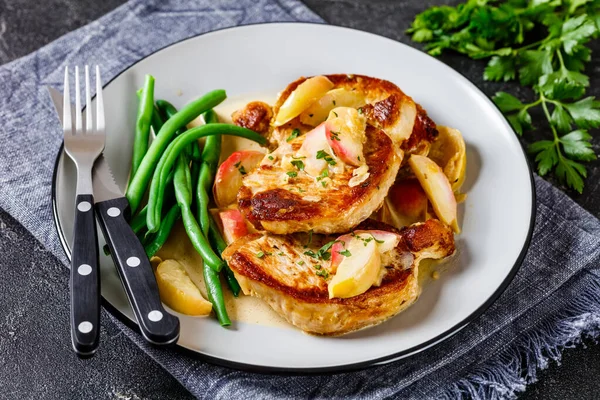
x=324, y=174
x=335, y=136
x=324, y=252
x=292, y=174
x=260, y=254
x=360, y=110
x=280, y=253
x=318, y=266
x=358, y=158
x=336, y=114
x=323, y=183
x=298, y=164
x=294, y=135
x=322, y=154
x=300, y=262
x=242, y=170
x=345, y=253
x=323, y=273
x=377, y=240
x=301, y=190
x=310, y=253
x=271, y=158
x=334, y=104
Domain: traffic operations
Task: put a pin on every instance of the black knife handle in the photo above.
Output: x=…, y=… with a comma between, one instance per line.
x=85, y=279
x=157, y=325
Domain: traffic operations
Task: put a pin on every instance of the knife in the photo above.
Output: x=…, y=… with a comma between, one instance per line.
x=112, y=212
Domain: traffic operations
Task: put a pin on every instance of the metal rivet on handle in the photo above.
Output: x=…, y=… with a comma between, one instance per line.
x=113, y=212
x=133, y=261
x=155, y=315
x=85, y=327
x=84, y=269
x=84, y=206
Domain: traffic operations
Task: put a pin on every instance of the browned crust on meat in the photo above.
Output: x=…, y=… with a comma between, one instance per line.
x=305, y=302
x=383, y=108
x=283, y=205
x=415, y=238
x=424, y=133
x=255, y=116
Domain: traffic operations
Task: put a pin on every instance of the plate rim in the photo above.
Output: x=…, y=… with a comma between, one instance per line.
x=329, y=369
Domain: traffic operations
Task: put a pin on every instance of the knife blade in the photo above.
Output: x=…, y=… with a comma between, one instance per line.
x=156, y=325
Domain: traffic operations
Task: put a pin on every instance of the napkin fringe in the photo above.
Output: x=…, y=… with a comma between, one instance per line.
x=512, y=370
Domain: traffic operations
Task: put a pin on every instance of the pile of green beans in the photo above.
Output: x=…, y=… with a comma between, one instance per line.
x=175, y=164
x=143, y=174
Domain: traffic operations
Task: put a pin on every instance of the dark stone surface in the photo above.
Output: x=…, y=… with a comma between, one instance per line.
x=120, y=370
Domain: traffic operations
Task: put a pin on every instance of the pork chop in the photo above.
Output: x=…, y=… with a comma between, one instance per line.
x=283, y=271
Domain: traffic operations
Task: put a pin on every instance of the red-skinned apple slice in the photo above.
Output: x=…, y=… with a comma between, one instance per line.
x=346, y=134
x=314, y=141
x=384, y=240
x=302, y=97
x=438, y=189
x=358, y=269
x=405, y=204
x=234, y=225
x=228, y=179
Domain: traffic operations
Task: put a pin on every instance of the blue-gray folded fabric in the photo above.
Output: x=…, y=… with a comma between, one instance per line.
x=553, y=301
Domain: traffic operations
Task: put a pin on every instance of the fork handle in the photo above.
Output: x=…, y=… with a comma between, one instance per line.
x=85, y=279
x=156, y=325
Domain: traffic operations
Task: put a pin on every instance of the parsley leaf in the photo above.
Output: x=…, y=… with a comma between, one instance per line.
x=577, y=145
x=293, y=135
x=500, y=69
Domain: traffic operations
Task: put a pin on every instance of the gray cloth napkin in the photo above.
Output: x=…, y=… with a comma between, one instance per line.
x=552, y=302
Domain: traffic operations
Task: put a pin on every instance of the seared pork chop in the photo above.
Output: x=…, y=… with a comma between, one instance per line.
x=284, y=272
x=281, y=199
x=395, y=123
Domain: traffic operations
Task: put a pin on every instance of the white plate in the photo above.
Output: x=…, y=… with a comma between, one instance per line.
x=497, y=217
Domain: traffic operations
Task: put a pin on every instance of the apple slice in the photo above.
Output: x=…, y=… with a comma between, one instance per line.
x=340, y=97
x=315, y=141
x=229, y=175
x=359, y=267
x=234, y=225
x=177, y=290
x=438, y=189
x=302, y=97
x=385, y=240
x=406, y=203
x=346, y=134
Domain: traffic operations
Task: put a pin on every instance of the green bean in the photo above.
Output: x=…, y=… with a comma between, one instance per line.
x=139, y=221
x=156, y=121
x=216, y=240
x=215, y=294
x=155, y=198
x=163, y=233
x=212, y=263
x=142, y=126
x=183, y=193
x=208, y=169
x=169, y=110
x=141, y=178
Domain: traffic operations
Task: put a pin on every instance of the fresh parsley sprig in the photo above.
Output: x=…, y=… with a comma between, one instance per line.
x=542, y=43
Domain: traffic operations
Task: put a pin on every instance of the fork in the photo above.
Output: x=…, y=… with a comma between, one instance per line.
x=84, y=146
